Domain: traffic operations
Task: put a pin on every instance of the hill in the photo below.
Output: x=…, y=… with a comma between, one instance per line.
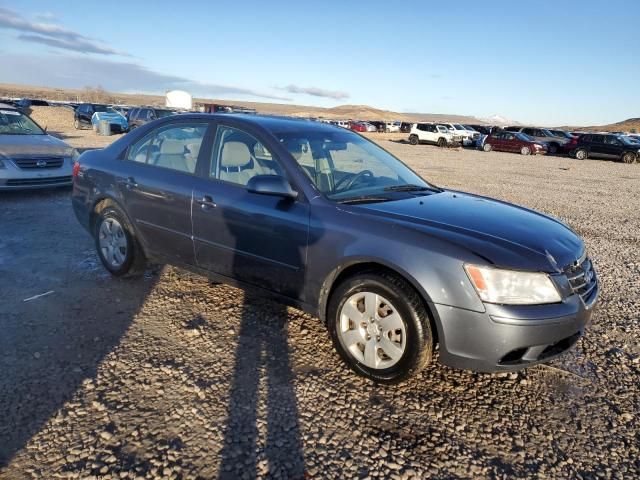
x=628, y=125
x=343, y=112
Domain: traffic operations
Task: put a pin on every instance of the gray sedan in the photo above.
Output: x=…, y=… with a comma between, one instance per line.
x=327, y=221
x=29, y=157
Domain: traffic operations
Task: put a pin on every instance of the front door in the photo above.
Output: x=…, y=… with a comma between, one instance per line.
x=254, y=238
x=157, y=187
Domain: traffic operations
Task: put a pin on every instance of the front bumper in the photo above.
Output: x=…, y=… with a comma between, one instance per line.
x=511, y=337
x=15, y=178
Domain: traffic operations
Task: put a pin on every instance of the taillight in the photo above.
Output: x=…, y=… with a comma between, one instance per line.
x=76, y=169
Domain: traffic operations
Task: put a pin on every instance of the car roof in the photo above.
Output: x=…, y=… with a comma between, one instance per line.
x=7, y=106
x=274, y=124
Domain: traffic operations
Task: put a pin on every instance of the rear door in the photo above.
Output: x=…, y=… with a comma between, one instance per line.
x=84, y=113
x=254, y=238
x=156, y=182
x=597, y=147
x=612, y=147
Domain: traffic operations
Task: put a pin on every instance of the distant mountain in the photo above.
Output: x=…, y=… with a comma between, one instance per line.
x=628, y=125
x=499, y=120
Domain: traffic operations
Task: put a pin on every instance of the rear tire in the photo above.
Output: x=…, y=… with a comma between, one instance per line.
x=525, y=151
x=76, y=124
x=629, y=158
x=487, y=147
x=405, y=335
x=582, y=154
x=414, y=140
x=442, y=142
x=116, y=244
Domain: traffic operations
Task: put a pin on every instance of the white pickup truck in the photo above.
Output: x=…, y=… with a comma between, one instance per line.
x=434, y=134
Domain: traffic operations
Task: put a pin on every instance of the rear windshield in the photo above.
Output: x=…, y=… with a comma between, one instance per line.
x=164, y=113
x=13, y=122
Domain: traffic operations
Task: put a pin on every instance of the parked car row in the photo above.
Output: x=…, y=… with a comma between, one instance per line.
x=529, y=140
x=121, y=119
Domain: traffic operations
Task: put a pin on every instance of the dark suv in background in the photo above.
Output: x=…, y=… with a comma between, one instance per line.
x=608, y=146
x=139, y=116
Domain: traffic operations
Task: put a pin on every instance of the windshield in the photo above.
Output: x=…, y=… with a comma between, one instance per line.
x=547, y=133
x=163, y=113
x=108, y=110
x=561, y=133
x=101, y=108
x=524, y=137
x=471, y=129
x=457, y=126
x=13, y=122
x=345, y=166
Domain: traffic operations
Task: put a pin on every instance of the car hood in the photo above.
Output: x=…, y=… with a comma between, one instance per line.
x=504, y=234
x=11, y=145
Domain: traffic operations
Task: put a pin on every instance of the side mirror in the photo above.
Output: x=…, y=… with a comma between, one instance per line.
x=274, y=185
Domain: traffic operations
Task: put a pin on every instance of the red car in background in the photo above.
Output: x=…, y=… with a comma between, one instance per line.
x=358, y=127
x=515, y=142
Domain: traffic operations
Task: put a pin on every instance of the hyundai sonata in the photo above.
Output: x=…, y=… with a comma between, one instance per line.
x=329, y=222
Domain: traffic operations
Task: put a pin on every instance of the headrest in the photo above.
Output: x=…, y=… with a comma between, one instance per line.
x=172, y=147
x=194, y=149
x=235, y=154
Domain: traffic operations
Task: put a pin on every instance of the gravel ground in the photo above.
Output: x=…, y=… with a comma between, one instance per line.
x=170, y=376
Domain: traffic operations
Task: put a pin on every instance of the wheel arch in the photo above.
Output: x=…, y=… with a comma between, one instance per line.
x=373, y=265
x=103, y=202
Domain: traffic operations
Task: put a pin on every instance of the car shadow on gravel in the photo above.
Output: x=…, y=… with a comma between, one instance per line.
x=51, y=344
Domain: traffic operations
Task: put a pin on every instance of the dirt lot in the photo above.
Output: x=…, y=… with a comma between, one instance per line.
x=170, y=376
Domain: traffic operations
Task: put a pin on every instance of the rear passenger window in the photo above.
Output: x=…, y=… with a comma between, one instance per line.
x=175, y=147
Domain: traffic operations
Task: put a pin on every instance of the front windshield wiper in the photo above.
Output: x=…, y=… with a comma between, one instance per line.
x=364, y=199
x=411, y=188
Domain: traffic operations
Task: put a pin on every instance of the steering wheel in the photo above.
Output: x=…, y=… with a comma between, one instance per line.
x=349, y=181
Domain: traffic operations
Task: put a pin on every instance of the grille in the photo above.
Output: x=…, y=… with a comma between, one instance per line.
x=582, y=278
x=39, y=162
x=39, y=181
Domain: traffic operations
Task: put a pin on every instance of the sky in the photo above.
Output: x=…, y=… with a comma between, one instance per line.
x=544, y=62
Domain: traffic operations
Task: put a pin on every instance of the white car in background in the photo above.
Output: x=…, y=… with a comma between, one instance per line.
x=435, y=134
x=392, y=127
x=468, y=136
x=29, y=157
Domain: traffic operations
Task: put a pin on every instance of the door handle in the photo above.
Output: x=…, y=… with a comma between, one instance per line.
x=206, y=202
x=131, y=183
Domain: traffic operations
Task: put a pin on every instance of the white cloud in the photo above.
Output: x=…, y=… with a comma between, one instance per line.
x=316, y=92
x=52, y=35
x=70, y=71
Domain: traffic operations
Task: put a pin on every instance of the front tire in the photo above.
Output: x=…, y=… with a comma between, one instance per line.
x=76, y=124
x=525, y=151
x=116, y=244
x=414, y=140
x=629, y=157
x=581, y=154
x=442, y=142
x=553, y=148
x=380, y=327
x=487, y=147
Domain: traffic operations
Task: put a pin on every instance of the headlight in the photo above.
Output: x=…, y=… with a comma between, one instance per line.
x=2, y=160
x=512, y=287
x=75, y=155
